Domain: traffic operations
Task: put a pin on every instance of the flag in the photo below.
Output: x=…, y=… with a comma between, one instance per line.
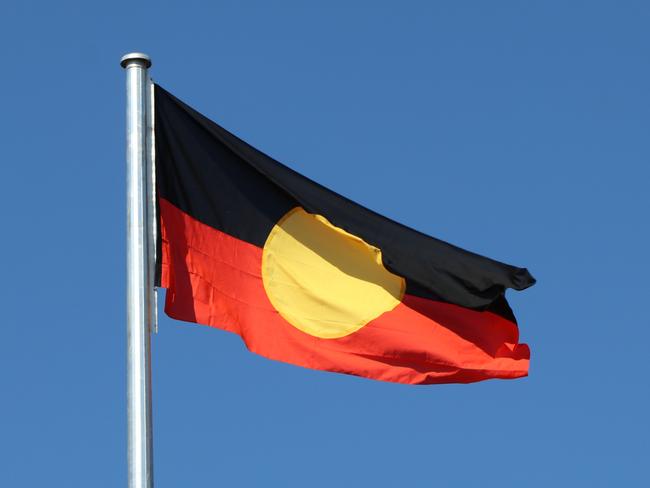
x=307, y=276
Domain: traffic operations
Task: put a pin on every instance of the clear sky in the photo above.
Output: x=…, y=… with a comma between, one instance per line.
x=518, y=130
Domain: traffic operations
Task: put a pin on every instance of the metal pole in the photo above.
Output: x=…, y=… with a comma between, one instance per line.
x=139, y=280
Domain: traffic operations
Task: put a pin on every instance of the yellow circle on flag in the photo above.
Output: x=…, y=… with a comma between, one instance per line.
x=323, y=280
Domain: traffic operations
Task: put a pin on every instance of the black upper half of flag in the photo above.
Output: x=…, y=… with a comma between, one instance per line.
x=225, y=183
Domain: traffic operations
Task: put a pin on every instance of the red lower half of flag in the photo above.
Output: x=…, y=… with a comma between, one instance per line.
x=216, y=280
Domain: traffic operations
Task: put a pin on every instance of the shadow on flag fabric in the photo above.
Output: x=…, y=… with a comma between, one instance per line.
x=308, y=277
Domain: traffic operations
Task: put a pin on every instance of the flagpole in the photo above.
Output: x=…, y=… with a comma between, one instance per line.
x=139, y=278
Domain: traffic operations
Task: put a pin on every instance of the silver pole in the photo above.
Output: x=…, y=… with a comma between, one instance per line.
x=139, y=280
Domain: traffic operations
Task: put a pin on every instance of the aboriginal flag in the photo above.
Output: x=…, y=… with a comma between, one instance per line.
x=308, y=277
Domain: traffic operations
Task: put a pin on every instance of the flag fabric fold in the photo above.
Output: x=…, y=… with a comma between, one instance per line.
x=307, y=276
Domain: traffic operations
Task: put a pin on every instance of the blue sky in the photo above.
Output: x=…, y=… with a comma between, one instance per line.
x=518, y=130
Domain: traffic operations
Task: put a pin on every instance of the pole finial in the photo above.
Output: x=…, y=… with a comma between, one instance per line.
x=142, y=57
